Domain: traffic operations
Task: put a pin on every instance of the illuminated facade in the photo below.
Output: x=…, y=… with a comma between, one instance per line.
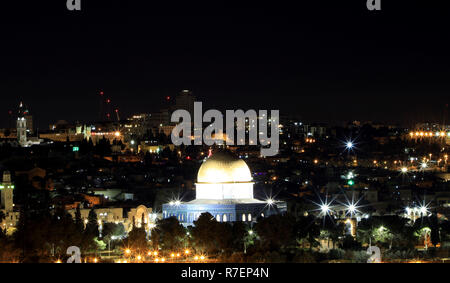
x=7, y=204
x=22, y=126
x=224, y=188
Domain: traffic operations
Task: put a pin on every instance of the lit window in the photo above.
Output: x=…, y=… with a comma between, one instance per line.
x=243, y=217
x=249, y=217
x=224, y=218
x=218, y=218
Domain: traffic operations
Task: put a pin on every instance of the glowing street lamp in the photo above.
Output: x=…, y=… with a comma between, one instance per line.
x=349, y=145
x=423, y=210
x=404, y=170
x=351, y=208
x=325, y=208
x=270, y=201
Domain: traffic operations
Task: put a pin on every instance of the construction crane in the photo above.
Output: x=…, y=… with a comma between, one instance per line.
x=117, y=114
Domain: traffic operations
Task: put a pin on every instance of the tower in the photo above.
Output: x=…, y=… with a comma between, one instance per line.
x=6, y=189
x=185, y=100
x=22, y=125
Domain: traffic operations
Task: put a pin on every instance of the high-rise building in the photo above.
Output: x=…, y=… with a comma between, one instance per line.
x=22, y=125
x=6, y=189
x=29, y=119
x=185, y=100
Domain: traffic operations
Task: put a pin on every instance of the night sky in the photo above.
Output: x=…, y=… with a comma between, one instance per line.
x=324, y=61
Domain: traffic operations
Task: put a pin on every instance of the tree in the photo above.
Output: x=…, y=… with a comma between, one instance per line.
x=168, y=234
x=92, y=224
x=137, y=240
x=78, y=221
x=307, y=230
x=112, y=229
x=276, y=232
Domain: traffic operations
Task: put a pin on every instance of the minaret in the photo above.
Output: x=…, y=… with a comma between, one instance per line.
x=6, y=189
x=21, y=126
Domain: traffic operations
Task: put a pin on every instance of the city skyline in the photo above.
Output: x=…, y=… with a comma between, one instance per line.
x=310, y=60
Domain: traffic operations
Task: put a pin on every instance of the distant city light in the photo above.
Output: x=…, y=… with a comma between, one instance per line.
x=349, y=145
x=404, y=169
x=351, y=208
x=423, y=210
x=325, y=208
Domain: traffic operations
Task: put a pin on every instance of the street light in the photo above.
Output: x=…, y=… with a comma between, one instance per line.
x=351, y=208
x=404, y=169
x=325, y=208
x=349, y=145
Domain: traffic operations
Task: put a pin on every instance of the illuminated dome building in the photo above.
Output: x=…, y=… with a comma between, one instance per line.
x=224, y=188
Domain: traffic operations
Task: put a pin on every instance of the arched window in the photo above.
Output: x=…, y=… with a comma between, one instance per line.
x=243, y=217
x=224, y=218
x=218, y=218
x=249, y=217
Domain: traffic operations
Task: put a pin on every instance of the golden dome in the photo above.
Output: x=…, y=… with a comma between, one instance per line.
x=224, y=167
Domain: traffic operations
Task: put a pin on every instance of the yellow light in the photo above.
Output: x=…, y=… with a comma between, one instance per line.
x=172, y=255
x=196, y=257
x=156, y=259
x=163, y=259
x=128, y=251
x=178, y=255
x=316, y=161
x=117, y=134
x=155, y=253
x=58, y=261
x=124, y=261
x=186, y=252
x=139, y=257
x=95, y=260
x=202, y=257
